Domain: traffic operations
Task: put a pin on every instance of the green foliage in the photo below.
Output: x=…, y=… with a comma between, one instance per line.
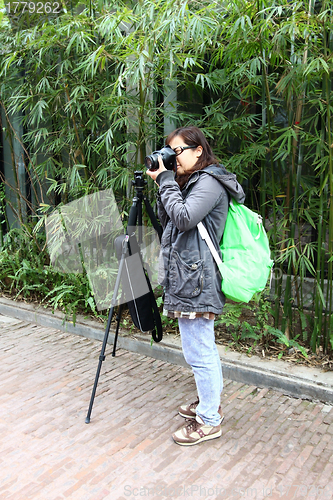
x=253, y=323
x=97, y=88
x=166, y=322
x=26, y=274
x=282, y=339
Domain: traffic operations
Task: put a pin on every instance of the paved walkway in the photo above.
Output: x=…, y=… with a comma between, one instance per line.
x=272, y=446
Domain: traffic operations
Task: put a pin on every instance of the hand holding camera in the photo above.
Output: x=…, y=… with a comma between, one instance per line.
x=158, y=161
x=154, y=173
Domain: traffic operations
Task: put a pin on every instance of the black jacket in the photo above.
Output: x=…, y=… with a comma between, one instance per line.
x=187, y=270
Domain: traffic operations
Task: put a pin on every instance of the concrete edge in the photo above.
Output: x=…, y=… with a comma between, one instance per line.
x=234, y=369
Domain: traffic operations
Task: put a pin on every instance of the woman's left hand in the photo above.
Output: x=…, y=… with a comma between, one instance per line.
x=154, y=173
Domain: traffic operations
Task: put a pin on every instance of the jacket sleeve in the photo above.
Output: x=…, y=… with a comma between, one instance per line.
x=162, y=215
x=202, y=198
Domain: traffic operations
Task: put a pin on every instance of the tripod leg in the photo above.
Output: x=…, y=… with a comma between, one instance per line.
x=153, y=219
x=107, y=329
x=101, y=359
x=118, y=318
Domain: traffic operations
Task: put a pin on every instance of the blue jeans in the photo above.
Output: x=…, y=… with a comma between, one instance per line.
x=200, y=352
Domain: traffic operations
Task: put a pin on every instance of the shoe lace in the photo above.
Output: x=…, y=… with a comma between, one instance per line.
x=192, y=425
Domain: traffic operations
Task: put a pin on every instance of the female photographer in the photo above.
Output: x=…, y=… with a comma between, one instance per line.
x=198, y=191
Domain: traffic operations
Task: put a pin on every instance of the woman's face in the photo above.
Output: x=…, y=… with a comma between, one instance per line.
x=188, y=158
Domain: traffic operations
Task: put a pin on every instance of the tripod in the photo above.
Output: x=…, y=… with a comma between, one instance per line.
x=129, y=245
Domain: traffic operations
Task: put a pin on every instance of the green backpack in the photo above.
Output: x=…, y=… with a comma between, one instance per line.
x=245, y=250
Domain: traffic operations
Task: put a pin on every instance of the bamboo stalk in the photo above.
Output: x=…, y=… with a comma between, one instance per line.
x=28, y=156
x=328, y=332
x=16, y=179
x=77, y=135
x=318, y=309
x=267, y=111
x=287, y=310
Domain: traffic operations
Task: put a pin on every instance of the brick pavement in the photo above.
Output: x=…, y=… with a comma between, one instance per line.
x=272, y=446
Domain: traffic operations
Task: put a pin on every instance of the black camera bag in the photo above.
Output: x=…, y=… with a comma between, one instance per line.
x=143, y=310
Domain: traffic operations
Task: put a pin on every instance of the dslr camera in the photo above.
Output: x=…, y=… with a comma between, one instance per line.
x=168, y=157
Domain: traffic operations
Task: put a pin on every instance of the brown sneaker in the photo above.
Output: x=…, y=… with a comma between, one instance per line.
x=195, y=432
x=189, y=411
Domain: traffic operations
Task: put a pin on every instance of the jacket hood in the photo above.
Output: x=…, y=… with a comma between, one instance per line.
x=228, y=181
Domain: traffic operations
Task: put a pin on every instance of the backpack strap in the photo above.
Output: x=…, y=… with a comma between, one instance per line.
x=205, y=236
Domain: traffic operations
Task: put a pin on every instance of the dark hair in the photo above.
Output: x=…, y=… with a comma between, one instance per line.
x=193, y=136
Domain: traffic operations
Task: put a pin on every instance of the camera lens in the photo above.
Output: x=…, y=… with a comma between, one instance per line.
x=151, y=162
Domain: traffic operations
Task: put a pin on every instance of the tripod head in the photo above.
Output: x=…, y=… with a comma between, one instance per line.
x=138, y=182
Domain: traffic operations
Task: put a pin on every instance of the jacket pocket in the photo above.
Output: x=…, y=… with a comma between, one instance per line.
x=186, y=280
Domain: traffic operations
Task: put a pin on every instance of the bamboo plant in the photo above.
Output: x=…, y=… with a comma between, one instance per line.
x=96, y=90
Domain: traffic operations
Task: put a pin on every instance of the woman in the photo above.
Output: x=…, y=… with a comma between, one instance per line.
x=192, y=284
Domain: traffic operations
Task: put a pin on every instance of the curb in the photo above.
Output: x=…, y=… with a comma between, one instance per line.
x=292, y=380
